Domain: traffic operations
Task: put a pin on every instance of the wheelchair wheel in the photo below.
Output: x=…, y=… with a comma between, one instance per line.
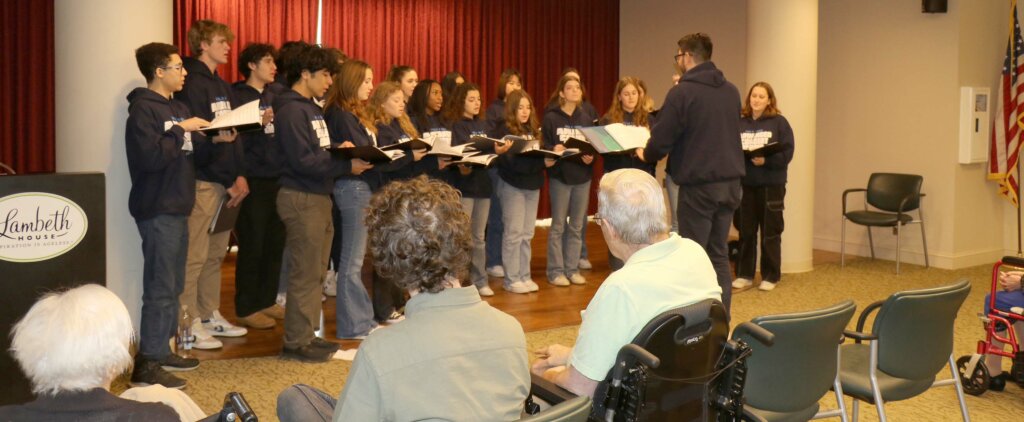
x=976, y=383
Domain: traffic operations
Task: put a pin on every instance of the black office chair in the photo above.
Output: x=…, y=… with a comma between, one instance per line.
x=911, y=340
x=786, y=381
x=680, y=367
x=893, y=196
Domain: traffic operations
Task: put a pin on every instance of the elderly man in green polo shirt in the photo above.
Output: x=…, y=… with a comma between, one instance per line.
x=454, y=357
x=662, y=271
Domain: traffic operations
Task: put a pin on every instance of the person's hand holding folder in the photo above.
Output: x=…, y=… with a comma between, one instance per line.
x=193, y=124
x=225, y=136
x=237, y=192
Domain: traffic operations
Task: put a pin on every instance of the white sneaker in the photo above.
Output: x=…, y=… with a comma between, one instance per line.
x=331, y=283
x=533, y=286
x=577, y=279
x=496, y=271
x=204, y=341
x=766, y=286
x=560, y=281
x=485, y=291
x=517, y=287
x=220, y=327
x=741, y=283
x=585, y=264
x=395, y=317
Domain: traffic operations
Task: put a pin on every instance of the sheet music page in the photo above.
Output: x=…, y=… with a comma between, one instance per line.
x=244, y=115
x=629, y=137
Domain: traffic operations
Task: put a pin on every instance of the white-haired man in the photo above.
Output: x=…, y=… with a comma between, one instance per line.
x=662, y=271
x=71, y=345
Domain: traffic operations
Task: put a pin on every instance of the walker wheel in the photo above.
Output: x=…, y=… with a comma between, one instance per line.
x=977, y=383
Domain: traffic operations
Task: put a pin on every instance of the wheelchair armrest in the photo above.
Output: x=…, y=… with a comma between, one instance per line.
x=1013, y=261
x=760, y=334
x=749, y=416
x=548, y=391
x=867, y=311
x=849, y=191
x=859, y=336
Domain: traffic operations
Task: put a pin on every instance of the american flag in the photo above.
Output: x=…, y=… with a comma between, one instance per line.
x=1008, y=126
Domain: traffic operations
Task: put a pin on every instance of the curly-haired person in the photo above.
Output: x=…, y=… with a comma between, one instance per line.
x=454, y=357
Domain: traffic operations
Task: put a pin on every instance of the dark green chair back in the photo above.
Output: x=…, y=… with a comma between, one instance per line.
x=794, y=373
x=887, y=190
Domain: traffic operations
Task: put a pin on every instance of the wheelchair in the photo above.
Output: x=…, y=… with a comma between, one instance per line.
x=974, y=374
x=682, y=366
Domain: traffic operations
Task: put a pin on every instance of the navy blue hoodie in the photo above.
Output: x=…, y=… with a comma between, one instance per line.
x=163, y=175
x=261, y=155
x=557, y=128
x=345, y=126
x=614, y=162
x=301, y=137
x=516, y=170
x=775, y=167
x=402, y=168
x=435, y=128
x=478, y=183
x=495, y=115
x=698, y=128
x=206, y=95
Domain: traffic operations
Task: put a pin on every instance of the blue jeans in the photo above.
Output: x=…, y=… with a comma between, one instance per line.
x=353, y=307
x=495, y=224
x=519, y=217
x=564, y=244
x=477, y=210
x=302, y=403
x=164, y=252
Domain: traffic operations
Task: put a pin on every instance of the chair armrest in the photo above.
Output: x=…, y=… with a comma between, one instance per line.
x=903, y=202
x=548, y=391
x=758, y=332
x=1013, y=261
x=848, y=191
x=749, y=416
x=867, y=311
x=859, y=336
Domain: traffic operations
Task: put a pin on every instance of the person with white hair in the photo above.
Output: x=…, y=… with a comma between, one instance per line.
x=71, y=345
x=662, y=271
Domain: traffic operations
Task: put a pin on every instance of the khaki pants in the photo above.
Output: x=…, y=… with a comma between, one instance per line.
x=309, y=229
x=205, y=252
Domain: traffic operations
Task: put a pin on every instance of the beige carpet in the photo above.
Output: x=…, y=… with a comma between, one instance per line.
x=863, y=281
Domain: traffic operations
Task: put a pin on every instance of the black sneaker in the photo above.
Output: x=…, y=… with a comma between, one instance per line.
x=307, y=353
x=175, y=363
x=320, y=343
x=149, y=372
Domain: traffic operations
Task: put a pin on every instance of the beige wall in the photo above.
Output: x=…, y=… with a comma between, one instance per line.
x=889, y=78
x=649, y=30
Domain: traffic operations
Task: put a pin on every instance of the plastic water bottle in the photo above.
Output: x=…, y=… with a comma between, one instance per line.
x=184, y=340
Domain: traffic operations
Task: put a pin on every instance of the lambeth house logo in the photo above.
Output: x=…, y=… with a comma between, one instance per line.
x=36, y=226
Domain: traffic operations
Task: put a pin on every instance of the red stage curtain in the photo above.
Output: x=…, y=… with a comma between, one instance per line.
x=26, y=86
x=266, y=21
x=480, y=38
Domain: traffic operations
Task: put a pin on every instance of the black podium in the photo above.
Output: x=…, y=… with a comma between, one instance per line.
x=52, y=236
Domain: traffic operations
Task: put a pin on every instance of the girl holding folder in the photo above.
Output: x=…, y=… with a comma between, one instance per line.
x=424, y=110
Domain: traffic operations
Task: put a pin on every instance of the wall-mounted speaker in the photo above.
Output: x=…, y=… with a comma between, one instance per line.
x=933, y=6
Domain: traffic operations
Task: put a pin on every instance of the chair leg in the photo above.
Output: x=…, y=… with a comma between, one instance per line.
x=856, y=409
x=842, y=245
x=898, y=232
x=923, y=241
x=876, y=392
x=959, y=389
x=838, y=387
x=871, y=242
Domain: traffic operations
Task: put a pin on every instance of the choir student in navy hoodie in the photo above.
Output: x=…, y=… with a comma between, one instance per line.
x=627, y=108
x=698, y=128
x=208, y=96
x=591, y=116
x=303, y=201
x=345, y=110
x=385, y=117
x=518, y=185
x=764, y=188
x=568, y=183
x=462, y=113
x=406, y=77
x=161, y=143
x=259, y=230
x=424, y=110
x=509, y=80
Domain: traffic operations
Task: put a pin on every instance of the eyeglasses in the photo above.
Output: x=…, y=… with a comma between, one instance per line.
x=676, y=57
x=177, y=67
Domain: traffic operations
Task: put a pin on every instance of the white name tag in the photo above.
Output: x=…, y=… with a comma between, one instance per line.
x=320, y=127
